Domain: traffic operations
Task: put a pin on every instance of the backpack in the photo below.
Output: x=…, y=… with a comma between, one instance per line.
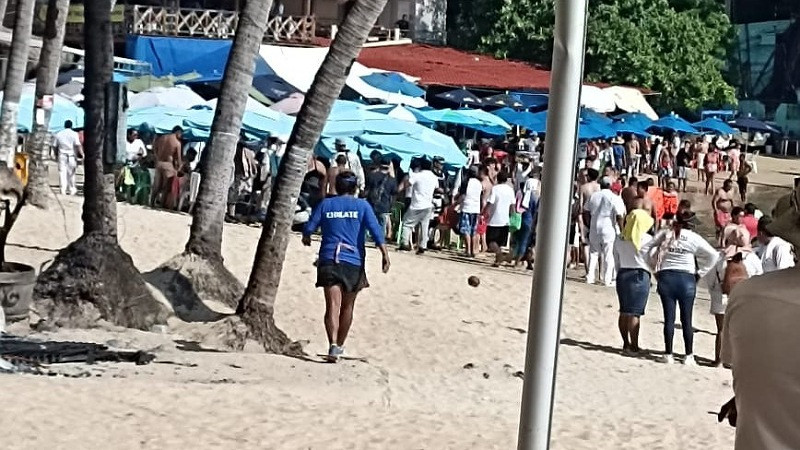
x=375, y=195
x=735, y=272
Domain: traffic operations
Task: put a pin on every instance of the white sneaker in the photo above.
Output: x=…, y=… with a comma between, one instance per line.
x=689, y=361
x=667, y=359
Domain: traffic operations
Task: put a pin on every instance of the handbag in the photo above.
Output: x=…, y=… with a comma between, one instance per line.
x=515, y=222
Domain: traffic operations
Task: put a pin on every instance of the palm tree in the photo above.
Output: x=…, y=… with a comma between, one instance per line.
x=198, y=275
x=15, y=78
x=258, y=303
x=39, y=193
x=93, y=278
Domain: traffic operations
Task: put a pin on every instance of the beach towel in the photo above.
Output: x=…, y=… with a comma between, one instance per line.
x=637, y=224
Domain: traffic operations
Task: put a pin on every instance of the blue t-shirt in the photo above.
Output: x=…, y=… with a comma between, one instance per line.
x=344, y=221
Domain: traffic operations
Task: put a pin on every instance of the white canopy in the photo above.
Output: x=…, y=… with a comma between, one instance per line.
x=180, y=97
x=631, y=100
x=299, y=65
x=597, y=99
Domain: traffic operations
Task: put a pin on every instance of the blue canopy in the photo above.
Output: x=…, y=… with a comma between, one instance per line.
x=750, y=124
x=430, y=144
x=503, y=101
x=403, y=113
x=452, y=117
x=532, y=100
x=595, y=116
x=525, y=119
x=167, y=53
x=635, y=119
x=715, y=125
x=672, y=123
x=593, y=129
x=393, y=82
x=622, y=126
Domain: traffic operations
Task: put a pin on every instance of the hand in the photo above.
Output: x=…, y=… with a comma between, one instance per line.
x=386, y=264
x=307, y=241
x=728, y=411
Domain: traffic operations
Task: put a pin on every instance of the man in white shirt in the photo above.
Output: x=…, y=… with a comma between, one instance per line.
x=69, y=149
x=134, y=147
x=776, y=254
x=607, y=212
x=353, y=162
x=499, y=207
x=423, y=185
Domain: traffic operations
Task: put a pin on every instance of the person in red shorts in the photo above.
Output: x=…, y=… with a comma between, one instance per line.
x=671, y=201
x=656, y=196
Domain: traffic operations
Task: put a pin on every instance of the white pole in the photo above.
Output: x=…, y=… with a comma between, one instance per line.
x=547, y=292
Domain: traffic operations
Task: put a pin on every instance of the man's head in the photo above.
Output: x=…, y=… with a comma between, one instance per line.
x=483, y=172
x=341, y=160
x=727, y=185
x=68, y=125
x=386, y=164
x=764, y=235
x=346, y=183
x=736, y=215
x=610, y=172
x=750, y=209
x=592, y=175
x=641, y=188
x=341, y=146
x=684, y=205
x=375, y=156
x=405, y=17
x=671, y=186
x=502, y=177
x=425, y=164
x=132, y=135
x=438, y=165
x=605, y=183
x=178, y=132
x=633, y=182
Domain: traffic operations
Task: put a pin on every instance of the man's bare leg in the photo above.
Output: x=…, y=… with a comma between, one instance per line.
x=720, y=319
x=468, y=245
x=333, y=306
x=345, y=316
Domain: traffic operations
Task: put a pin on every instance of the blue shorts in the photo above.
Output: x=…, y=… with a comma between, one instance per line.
x=522, y=240
x=468, y=224
x=633, y=290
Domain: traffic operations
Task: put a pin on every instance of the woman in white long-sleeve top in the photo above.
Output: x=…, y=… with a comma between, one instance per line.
x=679, y=257
x=737, y=248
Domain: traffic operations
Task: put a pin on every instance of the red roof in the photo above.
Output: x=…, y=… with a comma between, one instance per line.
x=451, y=67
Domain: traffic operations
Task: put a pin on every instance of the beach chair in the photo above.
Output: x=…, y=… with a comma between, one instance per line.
x=751, y=159
x=142, y=185
x=189, y=193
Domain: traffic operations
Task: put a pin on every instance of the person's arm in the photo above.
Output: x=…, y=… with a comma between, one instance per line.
x=784, y=259
x=714, y=201
x=312, y=225
x=706, y=255
x=78, y=148
x=648, y=247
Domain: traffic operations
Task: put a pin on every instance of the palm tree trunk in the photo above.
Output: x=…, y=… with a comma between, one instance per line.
x=15, y=77
x=192, y=279
x=93, y=278
x=258, y=303
x=39, y=193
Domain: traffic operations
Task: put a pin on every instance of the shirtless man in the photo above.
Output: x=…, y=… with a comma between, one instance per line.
x=329, y=186
x=167, y=150
x=632, y=153
x=642, y=201
x=487, y=183
x=585, y=192
x=722, y=204
x=630, y=194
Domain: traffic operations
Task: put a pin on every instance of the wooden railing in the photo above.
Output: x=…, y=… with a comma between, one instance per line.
x=164, y=21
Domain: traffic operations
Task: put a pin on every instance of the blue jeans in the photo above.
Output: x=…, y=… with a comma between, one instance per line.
x=675, y=287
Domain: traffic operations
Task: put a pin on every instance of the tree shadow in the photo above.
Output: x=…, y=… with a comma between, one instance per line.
x=181, y=295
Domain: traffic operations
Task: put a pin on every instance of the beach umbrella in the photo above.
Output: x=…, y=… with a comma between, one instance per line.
x=635, y=119
x=715, y=125
x=524, y=119
x=72, y=90
x=503, y=101
x=672, y=123
x=290, y=105
x=393, y=82
x=461, y=97
x=63, y=109
x=594, y=130
x=751, y=124
x=486, y=117
x=452, y=117
x=252, y=105
x=79, y=76
x=273, y=87
x=180, y=97
x=594, y=116
x=428, y=143
x=158, y=119
x=401, y=112
x=622, y=126
x=530, y=100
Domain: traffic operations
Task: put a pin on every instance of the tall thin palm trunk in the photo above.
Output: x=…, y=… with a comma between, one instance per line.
x=197, y=277
x=39, y=193
x=93, y=278
x=258, y=303
x=15, y=77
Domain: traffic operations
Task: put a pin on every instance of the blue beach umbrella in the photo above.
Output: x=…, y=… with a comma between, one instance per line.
x=715, y=125
x=672, y=123
x=393, y=82
x=750, y=124
x=461, y=97
x=622, y=126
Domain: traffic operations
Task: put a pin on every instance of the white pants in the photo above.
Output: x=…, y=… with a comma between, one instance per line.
x=601, y=256
x=413, y=218
x=66, y=173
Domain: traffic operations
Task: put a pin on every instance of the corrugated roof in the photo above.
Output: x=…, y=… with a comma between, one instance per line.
x=451, y=67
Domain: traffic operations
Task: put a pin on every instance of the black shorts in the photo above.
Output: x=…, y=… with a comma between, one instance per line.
x=351, y=278
x=498, y=235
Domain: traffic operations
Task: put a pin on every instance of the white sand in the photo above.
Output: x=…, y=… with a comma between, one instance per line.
x=418, y=327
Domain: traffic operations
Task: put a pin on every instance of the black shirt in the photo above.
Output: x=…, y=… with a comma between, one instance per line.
x=682, y=158
x=381, y=190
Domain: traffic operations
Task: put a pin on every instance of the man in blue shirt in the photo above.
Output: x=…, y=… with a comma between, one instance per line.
x=344, y=221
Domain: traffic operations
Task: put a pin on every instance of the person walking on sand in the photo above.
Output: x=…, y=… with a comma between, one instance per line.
x=607, y=212
x=499, y=207
x=743, y=171
x=70, y=151
x=344, y=221
x=711, y=167
x=167, y=150
x=471, y=203
x=423, y=185
x=722, y=206
x=679, y=257
x=776, y=253
x=737, y=254
x=633, y=277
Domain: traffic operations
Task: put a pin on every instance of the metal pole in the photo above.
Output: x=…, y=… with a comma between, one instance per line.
x=547, y=292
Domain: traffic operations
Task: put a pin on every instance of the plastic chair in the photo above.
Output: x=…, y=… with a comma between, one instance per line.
x=142, y=185
x=189, y=193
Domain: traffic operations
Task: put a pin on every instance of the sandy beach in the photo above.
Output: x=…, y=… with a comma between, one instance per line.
x=440, y=368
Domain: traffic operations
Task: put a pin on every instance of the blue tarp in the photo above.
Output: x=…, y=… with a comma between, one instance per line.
x=211, y=66
x=166, y=53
